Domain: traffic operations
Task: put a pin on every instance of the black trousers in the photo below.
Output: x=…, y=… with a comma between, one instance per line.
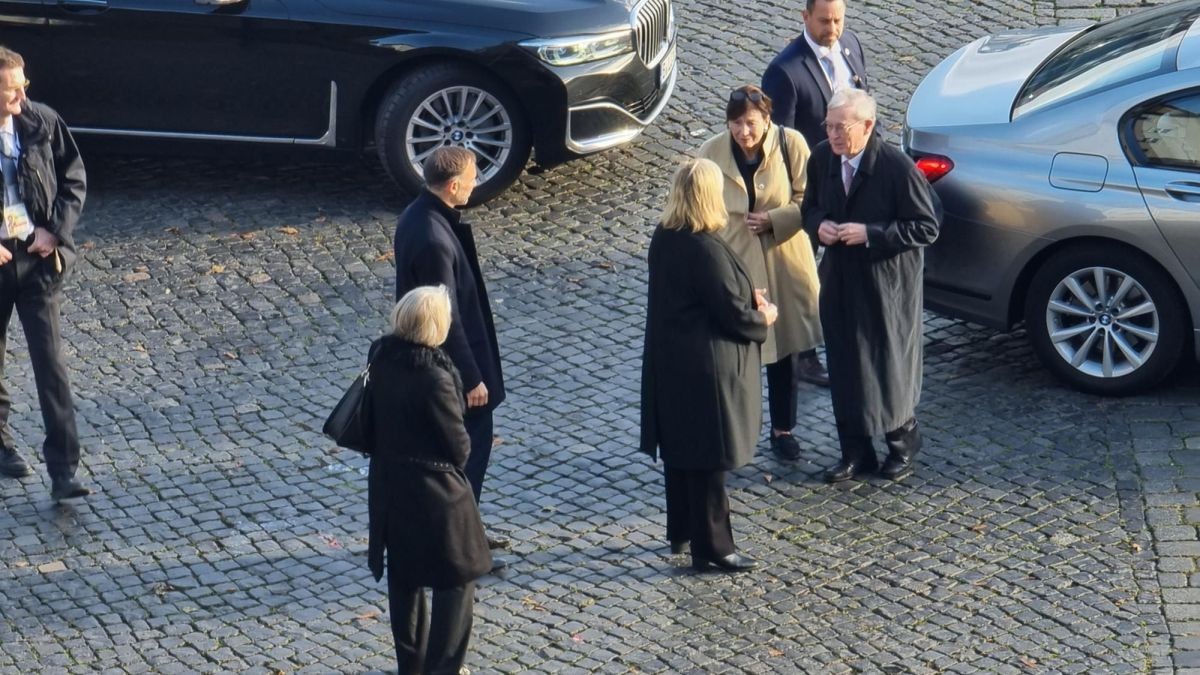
x=782, y=392
x=430, y=642
x=698, y=511
x=479, y=430
x=30, y=283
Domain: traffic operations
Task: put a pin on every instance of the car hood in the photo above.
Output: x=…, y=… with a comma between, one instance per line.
x=541, y=18
x=978, y=83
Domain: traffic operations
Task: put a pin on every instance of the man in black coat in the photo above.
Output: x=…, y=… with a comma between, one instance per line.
x=434, y=246
x=804, y=76
x=873, y=210
x=43, y=194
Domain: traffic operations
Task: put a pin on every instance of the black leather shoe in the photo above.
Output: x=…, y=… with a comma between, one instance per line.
x=786, y=447
x=68, y=488
x=682, y=546
x=810, y=370
x=498, y=564
x=896, y=468
x=734, y=562
x=13, y=465
x=498, y=542
x=845, y=470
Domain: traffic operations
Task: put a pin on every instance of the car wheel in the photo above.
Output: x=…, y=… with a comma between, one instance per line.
x=1105, y=319
x=452, y=104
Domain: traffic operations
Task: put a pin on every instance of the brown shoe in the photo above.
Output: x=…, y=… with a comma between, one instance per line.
x=810, y=370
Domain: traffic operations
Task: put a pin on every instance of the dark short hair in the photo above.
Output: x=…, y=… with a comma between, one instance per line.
x=809, y=4
x=10, y=59
x=445, y=164
x=736, y=108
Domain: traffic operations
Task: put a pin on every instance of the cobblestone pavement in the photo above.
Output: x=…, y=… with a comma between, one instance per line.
x=221, y=307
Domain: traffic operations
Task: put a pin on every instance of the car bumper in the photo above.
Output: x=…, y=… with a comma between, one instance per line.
x=633, y=95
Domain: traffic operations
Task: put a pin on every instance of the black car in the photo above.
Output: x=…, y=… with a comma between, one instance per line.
x=501, y=77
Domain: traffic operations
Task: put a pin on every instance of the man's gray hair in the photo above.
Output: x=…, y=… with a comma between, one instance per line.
x=862, y=103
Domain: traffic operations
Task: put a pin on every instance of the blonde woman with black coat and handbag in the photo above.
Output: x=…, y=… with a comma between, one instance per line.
x=422, y=510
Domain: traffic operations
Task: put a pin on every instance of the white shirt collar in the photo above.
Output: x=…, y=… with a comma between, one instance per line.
x=9, y=131
x=856, y=160
x=822, y=51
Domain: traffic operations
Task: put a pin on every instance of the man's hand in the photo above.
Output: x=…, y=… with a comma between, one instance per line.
x=478, y=396
x=770, y=312
x=44, y=242
x=828, y=233
x=5, y=254
x=759, y=222
x=853, y=234
x=760, y=298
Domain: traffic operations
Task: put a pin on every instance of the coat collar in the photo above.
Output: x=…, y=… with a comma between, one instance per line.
x=435, y=203
x=866, y=165
x=30, y=127
x=723, y=152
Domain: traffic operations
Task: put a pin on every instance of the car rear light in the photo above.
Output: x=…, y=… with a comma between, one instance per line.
x=934, y=166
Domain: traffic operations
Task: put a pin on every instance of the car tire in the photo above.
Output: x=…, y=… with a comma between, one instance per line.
x=1118, y=342
x=468, y=109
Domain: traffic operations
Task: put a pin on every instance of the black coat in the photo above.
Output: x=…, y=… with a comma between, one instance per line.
x=871, y=296
x=51, y=176
x=701, y=386
x=799, y=92
x=421, y=507
x=433, y=246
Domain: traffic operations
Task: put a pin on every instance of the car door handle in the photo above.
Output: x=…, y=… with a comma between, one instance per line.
x=1185, y=191
x=83, y=5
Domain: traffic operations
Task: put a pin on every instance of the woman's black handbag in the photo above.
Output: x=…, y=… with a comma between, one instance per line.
x=349, y=424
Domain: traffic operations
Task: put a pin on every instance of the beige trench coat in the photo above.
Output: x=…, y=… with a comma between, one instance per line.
x=780, y=260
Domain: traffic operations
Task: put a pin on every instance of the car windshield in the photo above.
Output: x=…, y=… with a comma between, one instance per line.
x=1109, y=54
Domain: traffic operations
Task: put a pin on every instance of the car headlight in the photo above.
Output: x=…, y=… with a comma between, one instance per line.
x=569, y=51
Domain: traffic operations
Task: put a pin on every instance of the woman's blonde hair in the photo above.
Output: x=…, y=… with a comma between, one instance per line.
x=696, y=201
x=423, y=316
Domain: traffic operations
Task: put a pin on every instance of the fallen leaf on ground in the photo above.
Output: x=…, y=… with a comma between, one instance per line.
x=172, y=230
x=134, y=277
x=768, y=478
x=245, y=236
x=371, y=615
x=289, y=230
x=774, y=653
x=980, y=527
x=1029, y=662
x=260, y=278
x=217, y=269
x=385, y=256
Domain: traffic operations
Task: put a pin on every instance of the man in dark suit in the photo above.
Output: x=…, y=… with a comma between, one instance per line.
x=804, y=76
x=43, y=194
x=800, y=82
x=873, y=210
x=434, y=246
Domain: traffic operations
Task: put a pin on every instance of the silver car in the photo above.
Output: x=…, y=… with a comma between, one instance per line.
x=1067, y=161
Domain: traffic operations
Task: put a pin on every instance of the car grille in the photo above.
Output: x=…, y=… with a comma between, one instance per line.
x=643, y=106
x=651, y=29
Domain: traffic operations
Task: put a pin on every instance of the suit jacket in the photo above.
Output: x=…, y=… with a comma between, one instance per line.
x=421, y=508
x=701, y=372
x=871, y=295
x=51, y=175
x=799, y=90
x=433, y=246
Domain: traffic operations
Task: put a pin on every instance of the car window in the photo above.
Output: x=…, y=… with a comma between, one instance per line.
x=1109, y=54
x=1167, y=132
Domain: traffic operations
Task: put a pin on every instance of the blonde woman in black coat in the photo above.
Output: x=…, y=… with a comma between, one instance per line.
x=421, y=507
x=701, y=392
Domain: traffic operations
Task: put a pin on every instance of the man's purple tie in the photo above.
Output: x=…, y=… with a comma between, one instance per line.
x=847, y=175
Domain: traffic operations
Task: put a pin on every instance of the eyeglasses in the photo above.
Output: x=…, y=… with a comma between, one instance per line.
x=840, y=129
x=22, y=86
x=739, y=95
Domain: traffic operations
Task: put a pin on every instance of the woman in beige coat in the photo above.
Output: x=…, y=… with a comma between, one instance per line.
x=764, y=170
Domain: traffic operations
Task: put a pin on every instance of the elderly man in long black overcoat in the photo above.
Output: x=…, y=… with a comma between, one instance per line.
x=873, y=210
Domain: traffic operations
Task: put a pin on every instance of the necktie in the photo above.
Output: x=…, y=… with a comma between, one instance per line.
x=830, y=70
x=847, y=175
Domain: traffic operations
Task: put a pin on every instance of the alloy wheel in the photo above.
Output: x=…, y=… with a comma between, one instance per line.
x=1102, y=322
x=466, y=117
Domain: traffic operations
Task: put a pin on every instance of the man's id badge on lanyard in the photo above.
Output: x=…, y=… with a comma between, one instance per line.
x=16, y=222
